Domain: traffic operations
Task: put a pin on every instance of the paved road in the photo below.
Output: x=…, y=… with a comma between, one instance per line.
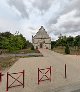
x=58, y=82
x=76, y=90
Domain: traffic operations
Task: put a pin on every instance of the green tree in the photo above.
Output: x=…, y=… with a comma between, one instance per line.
x=67, y=50
x=53, y=44
x=32, y=47
x=77, y=41
x=13, y=42
x=70, y=41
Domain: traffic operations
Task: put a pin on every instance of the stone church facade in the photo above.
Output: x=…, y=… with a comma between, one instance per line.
x=41, y=39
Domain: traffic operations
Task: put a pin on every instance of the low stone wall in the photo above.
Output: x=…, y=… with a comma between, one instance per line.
x=27, y=55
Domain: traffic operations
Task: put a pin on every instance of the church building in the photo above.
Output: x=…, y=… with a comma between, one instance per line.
x=41, y=39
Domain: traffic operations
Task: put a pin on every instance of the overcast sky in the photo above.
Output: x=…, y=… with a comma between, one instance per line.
x=26, y=16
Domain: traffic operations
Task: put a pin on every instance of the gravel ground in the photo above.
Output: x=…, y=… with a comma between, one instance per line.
x=58, y=82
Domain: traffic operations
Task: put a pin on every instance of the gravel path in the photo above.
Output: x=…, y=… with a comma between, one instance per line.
x=58, y=82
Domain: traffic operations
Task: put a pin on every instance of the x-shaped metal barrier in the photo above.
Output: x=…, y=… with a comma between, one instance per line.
x=15, y=79
x=43, y=75
x=48, y=77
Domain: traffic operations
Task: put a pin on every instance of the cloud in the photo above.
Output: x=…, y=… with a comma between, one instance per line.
x=20, y=6
x=57, y=16
x=42, y=5
x=8, y=25
x=66, y=20
x=60, y=8
x=31, y=28
x=67, y=24
x=65, y=6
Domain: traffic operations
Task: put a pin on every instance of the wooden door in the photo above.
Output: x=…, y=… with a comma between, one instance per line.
x=41, y=45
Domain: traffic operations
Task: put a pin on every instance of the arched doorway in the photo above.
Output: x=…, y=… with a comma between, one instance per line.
x=41, y=45
x=36, y=47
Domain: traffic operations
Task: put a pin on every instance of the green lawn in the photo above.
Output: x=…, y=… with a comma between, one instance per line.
x=61, y=50
x=6, y=62
x=23, y=51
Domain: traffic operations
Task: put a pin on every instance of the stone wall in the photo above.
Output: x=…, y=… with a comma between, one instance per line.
x=46, y=43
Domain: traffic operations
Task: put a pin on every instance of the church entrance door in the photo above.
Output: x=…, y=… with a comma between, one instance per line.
x=41, y=45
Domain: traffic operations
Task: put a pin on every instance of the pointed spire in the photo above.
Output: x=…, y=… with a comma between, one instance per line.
x=42, y=28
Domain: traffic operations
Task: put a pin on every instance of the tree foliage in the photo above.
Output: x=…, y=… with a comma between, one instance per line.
x=13, y=42
x=64, y=41
x=67, y=50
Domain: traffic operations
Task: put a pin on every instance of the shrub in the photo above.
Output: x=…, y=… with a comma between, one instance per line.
x=67, y=50
x=37, y=51
x=32, y=47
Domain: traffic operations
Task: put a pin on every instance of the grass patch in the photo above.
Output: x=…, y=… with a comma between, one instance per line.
x=61, y=50
x=74, y=51
x=6, y=62
x=23, y=51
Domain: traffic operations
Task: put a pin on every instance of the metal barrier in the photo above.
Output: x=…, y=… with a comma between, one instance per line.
x=65, y=71
x=40, y=71
x=1, y=76
x=15, y=79
x=43, y=75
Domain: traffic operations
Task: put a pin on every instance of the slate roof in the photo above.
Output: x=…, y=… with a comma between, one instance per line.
x=41, y=33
